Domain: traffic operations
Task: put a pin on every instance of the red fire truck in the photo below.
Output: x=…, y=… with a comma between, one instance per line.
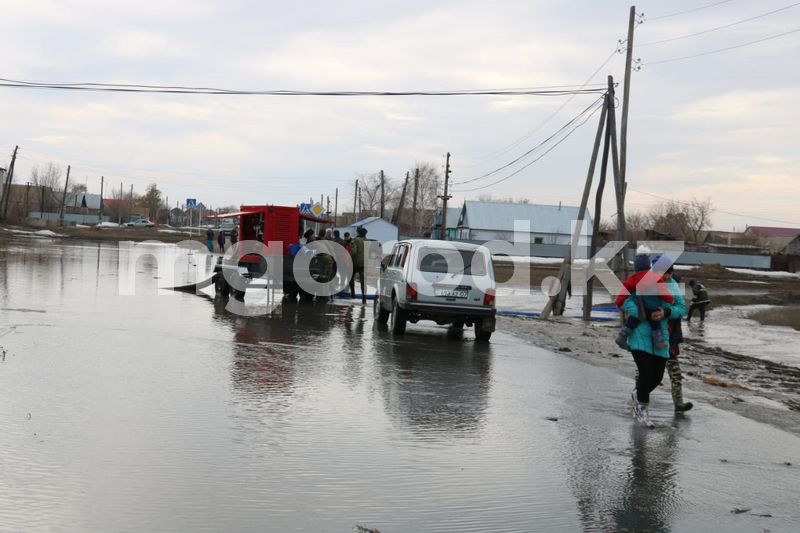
x=266, y=224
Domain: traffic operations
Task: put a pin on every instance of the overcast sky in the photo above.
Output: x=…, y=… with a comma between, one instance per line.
x=722, y=126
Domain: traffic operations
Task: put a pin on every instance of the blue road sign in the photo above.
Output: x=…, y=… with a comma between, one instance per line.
x=191, y=202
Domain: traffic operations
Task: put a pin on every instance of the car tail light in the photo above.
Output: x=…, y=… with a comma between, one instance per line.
x=488, y=297
x=411, y=291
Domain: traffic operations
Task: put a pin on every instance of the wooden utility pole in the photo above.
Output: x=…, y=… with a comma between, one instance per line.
x=555, y=303
x=621, y=262
x=355, y=204
x=383, y=195
x=414, y=204
x=7, y=185
x=336, y=206
x=102, y=180
x=399, y=212
x=445, y=197
x=620, y=182
x=119, y=205
x=63, y=199
x=598, y=204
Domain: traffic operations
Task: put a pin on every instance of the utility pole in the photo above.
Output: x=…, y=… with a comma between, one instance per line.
x=7, y=184
x=555, y=304
x=328, y=207
x=336, y=206
x=102, y=180
x=383, y=195
x=355, y=204
x=598, y=204
x=620, y=183
x=400, y=205
x=414, y=204
x=119, y=205
x=63, y=199
x=445, y=197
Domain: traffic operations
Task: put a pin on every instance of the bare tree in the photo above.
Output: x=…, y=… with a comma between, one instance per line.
x=77, y=187
x=698, y=217
x=152, y=200
x=507, y=200
x=47, y=179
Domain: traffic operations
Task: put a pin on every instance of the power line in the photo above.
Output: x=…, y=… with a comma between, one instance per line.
x=167, y=89
x=528, y=135
x=535, y=160
x=689, y=10
x=718, y=27
x=717, y=210
x=722, y=49
x=543, y=143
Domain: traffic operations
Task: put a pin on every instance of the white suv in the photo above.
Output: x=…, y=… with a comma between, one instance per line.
x=444, y=281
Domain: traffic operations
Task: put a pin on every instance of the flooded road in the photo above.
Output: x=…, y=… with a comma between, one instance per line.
x=168, y=413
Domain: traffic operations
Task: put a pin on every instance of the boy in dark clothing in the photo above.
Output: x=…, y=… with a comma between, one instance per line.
x=647, y=303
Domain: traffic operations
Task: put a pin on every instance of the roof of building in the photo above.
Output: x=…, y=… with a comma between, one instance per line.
x=768, y=231
x=112, y=202
x=453, y=215
x=500, y=216
x=370, y=220
x=777, y=244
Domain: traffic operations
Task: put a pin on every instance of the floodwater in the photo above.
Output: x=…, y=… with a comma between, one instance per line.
x=169, y=413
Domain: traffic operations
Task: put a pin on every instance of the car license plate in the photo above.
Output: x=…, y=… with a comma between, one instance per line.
x=451, y=293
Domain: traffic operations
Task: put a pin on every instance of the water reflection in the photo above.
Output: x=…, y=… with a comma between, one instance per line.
x=650, y=496
x=431, y=383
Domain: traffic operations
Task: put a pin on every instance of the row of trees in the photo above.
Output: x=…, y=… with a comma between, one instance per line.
x=429, y=187
x=680, y=220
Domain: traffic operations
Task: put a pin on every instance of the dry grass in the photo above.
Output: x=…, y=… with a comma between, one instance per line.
x=711, y=380
x=782, y=316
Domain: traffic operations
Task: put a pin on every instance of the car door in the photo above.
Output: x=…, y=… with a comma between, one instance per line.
x=395, y=270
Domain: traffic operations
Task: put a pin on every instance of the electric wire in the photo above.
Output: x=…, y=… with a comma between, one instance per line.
x=710, y=52
x=689, y=10
x=167, y=89
x=530, y=151
x=714, y=209
x=534, y=160
x=718, y=27
x=528, y=135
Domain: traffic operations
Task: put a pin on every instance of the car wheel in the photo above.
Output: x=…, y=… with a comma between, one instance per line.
x=480, y=334
x=398, y=319
x=381, y=314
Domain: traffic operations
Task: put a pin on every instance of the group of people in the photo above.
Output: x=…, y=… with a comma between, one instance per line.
x=355, y=249
x=654, y=307
x=220, y=239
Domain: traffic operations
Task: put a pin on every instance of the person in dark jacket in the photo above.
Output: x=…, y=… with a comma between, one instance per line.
x=234, y=235
x=221, y=241
x=700, y=300
x=358, y=255
x=210, y=239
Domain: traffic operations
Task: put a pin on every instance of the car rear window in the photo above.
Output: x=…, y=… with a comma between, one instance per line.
x=452, y=261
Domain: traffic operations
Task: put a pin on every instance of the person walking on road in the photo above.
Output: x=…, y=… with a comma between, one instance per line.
x=234, y=235
x=700, y=300
x=210, y=240
x=358, y=248
x=650, y=361
x=221, y=241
